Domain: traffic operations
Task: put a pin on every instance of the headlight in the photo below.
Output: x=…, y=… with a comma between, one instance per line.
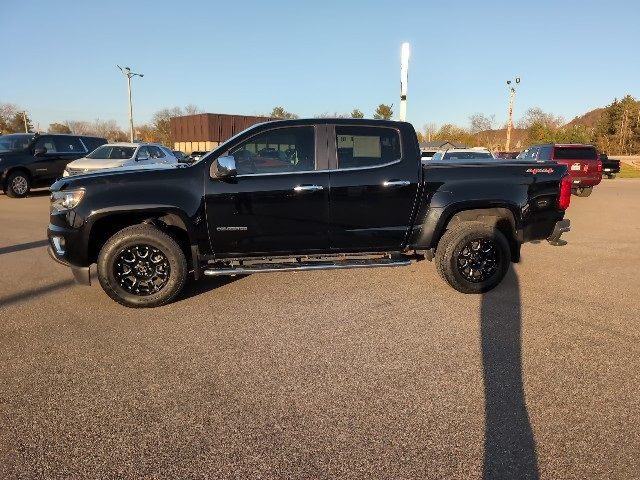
x=65, y=200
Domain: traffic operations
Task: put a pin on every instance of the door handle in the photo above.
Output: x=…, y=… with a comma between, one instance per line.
x=307, y=188
x=396, y=183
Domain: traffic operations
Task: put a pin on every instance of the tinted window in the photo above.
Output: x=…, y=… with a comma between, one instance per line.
x=366, y=146
x=276, y=151
x=545, y=153
x=68, y=145
x=427, y=154
x=93, y=142
x=575, y=153
x=11, y=143
x=46, y=142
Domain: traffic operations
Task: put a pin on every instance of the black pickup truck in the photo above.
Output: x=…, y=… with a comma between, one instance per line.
x=304, y=195
x=610, y=167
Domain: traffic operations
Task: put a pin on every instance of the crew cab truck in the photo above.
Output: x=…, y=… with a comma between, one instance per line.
x=304, y=195
x=31, y=160
x=585, y=166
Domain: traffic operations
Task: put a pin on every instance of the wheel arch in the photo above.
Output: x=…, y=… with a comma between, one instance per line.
x=106, y=223
x=501, y=217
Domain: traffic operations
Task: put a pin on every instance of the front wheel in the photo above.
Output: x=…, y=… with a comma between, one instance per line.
x=584, y=191
x=473, y=257
x=18, y=185
x=141, y=266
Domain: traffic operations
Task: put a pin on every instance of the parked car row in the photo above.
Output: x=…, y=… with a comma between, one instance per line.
x=586, y=166
x=30, y=160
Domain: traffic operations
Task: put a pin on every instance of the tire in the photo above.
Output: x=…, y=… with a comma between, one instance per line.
x=584, y=191
x=141, y=266
x=457, y=247
x=18, y=184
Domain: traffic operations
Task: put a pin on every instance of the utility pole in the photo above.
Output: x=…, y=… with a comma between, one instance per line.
x=404, y=78
x=129, y=74
x=512, y=96
x=24, y=118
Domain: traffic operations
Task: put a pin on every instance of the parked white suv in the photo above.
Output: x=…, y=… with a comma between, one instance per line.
x=113, y=155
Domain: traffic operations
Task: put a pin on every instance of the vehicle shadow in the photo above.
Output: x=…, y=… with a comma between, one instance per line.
x=35, y=292
x=23, y=246
x=205, y=284
x=510, y=447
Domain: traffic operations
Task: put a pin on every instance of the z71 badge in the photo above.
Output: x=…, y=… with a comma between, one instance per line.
x=539, y=170
x=231, y=229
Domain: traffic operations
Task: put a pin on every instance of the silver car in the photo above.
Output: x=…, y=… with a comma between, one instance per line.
x=114, y=155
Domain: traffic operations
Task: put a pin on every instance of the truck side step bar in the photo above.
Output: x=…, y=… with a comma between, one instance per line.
x=300, y=266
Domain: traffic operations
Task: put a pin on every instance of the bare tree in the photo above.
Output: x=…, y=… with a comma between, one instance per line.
x=479, y=122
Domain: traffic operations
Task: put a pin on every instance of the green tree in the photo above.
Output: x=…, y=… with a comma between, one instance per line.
x=280, y=112
x=59, y=128
x=355, y=113
x=383, y=112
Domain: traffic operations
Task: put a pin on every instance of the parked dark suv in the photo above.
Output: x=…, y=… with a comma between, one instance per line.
x=29, y=160
x=585, y=166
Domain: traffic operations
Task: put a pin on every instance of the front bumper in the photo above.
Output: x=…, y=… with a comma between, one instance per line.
x=68, y=247
x=561, y=227
x=82, y=275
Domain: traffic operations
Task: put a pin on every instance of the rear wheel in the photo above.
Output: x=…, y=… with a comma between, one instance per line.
x=18, y=185
x=584, y=191
x=141, y=266
x=473, y=257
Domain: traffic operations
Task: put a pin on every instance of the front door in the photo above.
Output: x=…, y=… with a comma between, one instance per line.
x=60, y=150
x=374, y=185
x=278, y=203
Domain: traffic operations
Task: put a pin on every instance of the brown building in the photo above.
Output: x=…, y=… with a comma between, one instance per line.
x=205, y=131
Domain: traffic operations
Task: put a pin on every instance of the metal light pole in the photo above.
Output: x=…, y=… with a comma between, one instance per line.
x=512, y=96
x=404, y=78
x=126, y=71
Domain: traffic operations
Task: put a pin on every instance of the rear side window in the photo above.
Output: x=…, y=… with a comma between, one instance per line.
x=575, y=153
x=68, y=145
x=93, y=142
x=545, y=153
x=366, y=146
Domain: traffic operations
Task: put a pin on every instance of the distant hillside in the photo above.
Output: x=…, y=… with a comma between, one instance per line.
x=589, y=119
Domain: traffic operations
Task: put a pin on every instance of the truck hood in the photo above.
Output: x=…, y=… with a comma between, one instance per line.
x=114, y=174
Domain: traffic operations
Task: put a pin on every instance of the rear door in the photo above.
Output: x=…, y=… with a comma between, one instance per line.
x=278, y=203
x=68, y=149
x=373, y=188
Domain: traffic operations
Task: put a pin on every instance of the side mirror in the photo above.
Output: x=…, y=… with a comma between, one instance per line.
x=38, y=152
x=142, y=156
x=223, y=167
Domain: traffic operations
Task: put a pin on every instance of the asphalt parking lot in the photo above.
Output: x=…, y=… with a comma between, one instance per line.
x=383, y=373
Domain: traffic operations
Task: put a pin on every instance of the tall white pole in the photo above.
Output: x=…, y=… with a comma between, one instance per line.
x=130, y=109
x=404, y=78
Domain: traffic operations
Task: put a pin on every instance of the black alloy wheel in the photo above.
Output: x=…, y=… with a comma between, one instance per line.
x=478, y=260
x=142, y=270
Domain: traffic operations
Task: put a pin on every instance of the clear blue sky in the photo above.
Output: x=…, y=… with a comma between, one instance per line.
x=245, y=57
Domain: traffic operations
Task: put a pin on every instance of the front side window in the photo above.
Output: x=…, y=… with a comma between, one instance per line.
x=112, y=152
x=276, y=151
x=366, y=146
x=155, y=152
x=68, y=145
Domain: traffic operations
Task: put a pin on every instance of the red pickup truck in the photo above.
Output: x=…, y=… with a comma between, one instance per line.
x=585, y=166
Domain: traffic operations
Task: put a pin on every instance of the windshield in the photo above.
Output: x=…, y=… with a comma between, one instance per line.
x=112, y=152
x=14, y=142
